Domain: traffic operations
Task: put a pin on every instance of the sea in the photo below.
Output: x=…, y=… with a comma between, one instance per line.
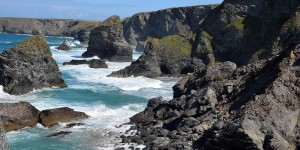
x=109, y=102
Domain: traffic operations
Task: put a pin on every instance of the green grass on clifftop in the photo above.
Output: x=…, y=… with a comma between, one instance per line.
x=34, y=45
x=172, y=48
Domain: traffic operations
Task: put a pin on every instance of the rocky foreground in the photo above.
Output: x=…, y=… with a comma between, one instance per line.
x=247, y=94
x=28, y=66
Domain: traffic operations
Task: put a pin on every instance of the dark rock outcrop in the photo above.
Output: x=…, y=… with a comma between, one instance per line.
x=54, y=116
x=18, y=115
x=28, y=66
x=159, y=24
x=79, y=29
x=169, y=56
x=107, y=42
x=251, y=107
x=94, y=63
x=249, y=103
x=3, y=140
x=244, y=32
x=64, y=46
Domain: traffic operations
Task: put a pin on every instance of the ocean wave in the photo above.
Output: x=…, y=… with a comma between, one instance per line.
x=5, y=42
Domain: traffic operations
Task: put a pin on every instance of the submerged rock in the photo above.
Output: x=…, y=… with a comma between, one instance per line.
x=60, y=133
x=18, y=115
x=54, y=116
x=28, y=66
x=169, y=56
x=64, y=46
x=107, y=42
x=71, y=125
x=94, y=63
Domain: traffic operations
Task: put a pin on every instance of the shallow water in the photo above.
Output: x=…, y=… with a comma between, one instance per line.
x=108, y=101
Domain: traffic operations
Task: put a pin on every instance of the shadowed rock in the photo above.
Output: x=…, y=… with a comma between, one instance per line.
x=28, y=66
x=94, y=63
x=54, y=116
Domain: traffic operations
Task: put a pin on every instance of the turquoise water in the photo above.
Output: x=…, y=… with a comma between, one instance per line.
x=108, y=101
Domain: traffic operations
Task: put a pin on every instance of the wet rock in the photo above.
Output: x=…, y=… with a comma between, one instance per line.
x=60, y=133
x=71, y=125
x=28, y=66
x=18, y=115
x=54, y=116
x=94, y=63
x=97, y=63
x=64, y=46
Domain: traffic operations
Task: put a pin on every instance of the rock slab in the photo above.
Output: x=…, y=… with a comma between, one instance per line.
x=54, y=116
x=28, y=66
x=18, y=115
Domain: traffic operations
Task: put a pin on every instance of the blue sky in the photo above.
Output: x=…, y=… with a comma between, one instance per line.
x=88, y=9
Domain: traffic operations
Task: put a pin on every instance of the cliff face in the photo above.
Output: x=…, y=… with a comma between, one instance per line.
x=242, y=31
x=28, y=66
x=159, y=24
x=53, y=27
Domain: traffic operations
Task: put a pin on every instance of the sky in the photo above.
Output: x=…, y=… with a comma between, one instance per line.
x=89, y=9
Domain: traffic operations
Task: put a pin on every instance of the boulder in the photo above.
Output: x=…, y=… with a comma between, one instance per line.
x=75, y=62
x=28, y=66
x=97, y=63
x=107, y=42
x=51, y=117
x=169, y=56
x=64, y=46
x=18, y=115
x=3, y=140
x=94, y=63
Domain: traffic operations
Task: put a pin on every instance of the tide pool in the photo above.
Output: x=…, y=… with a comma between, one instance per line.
x=108, y=101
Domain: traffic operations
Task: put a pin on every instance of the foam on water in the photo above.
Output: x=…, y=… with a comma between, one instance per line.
x=108, y=101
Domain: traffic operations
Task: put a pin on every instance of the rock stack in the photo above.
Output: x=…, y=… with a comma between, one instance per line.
x=28, y=66
x=107, y=42
x=64, y=46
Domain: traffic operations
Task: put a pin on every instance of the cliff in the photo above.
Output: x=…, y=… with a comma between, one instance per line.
x=28, y=66
x=249, y=103
x=78, y=29
x=243, y=32
x=158, y=24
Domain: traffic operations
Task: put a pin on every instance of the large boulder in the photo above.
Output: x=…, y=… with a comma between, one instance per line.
x=51, y=117
x=3, y=140
x=93, y=63
x=169, y=56
x=18, y=115
x=28, y=66
x=107, y=42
